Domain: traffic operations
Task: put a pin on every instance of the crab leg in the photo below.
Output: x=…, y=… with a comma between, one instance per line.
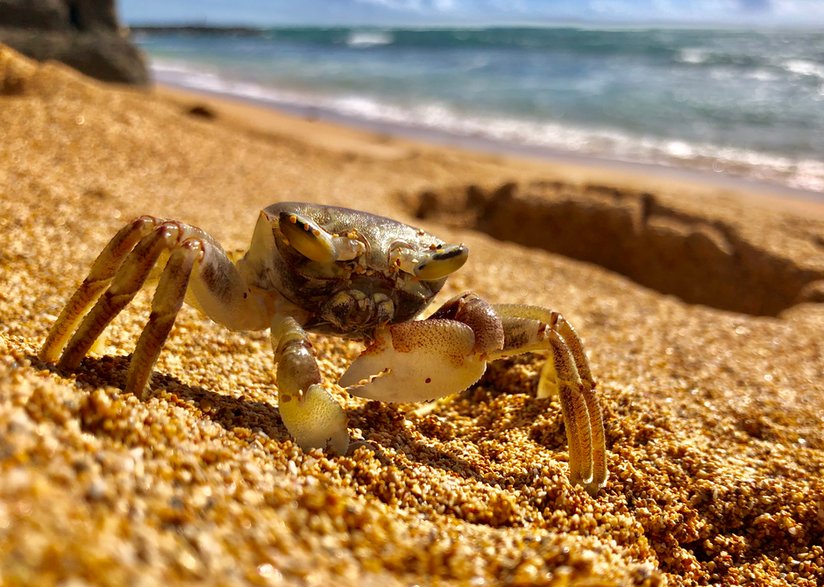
x=426, y=359
x=309, y=412
x=124, y=267
x=126, y=283
x=166, y=303
x=101, y=274
x=198, y=271
x=567, y=374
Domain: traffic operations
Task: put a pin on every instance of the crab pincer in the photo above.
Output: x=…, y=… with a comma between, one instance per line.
x=427, y=359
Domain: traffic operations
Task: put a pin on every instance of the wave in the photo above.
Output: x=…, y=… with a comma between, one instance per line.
x=369, y=38
x=736, y=50
x=693, y=55
x=551, y=137
x=592, y=41
x=804, y=67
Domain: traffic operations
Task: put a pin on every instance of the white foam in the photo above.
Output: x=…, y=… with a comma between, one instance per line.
x=804, y=67
x=762, y=75
x=693, y=55
x=369, y=38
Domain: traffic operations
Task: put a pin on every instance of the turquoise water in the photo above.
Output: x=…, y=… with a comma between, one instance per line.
x=738, y=102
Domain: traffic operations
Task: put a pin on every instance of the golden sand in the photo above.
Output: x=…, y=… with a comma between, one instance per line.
x=713, y=416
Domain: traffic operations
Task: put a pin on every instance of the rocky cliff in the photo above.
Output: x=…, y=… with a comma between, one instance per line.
x=84, y=34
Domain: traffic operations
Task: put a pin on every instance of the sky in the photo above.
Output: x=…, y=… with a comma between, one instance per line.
x=474, y=12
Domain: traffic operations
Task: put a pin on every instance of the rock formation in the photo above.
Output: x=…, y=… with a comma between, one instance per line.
x=84, y=34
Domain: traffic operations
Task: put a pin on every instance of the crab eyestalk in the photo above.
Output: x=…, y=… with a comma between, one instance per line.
x=433, y=264
x=442, y=262
x=315, y=243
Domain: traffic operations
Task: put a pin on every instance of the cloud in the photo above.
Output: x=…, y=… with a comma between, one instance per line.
x=755, y=5
x=423, y=6
x=807, y=9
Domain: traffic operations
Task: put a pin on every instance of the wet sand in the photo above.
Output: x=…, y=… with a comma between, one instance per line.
x=701, y=307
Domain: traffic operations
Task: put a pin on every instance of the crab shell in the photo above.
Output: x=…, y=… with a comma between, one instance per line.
x=367, y=270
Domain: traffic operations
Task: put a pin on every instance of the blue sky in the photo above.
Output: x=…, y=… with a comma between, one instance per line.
x=417, y=12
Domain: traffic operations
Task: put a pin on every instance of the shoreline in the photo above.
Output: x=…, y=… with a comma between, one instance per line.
x=250, y=112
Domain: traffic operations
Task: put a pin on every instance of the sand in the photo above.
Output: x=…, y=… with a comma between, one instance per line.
x=712, y=394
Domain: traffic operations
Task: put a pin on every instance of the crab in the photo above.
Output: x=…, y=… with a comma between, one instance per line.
x=340, y=272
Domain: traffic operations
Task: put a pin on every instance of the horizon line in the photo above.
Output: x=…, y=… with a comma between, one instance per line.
x=206, y=24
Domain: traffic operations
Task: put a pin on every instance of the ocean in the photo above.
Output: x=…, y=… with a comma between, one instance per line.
x=738, y=102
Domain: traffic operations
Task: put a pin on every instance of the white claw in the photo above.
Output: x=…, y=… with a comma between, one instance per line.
x=416, y=361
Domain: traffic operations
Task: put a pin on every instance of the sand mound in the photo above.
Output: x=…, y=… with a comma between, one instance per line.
x=700, y=256
x=713, y=418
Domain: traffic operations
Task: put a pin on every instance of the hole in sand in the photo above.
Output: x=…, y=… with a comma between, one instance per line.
x=201, y=111
x=698, y=260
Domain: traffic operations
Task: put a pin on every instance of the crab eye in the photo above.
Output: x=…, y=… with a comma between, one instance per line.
x=442, y=261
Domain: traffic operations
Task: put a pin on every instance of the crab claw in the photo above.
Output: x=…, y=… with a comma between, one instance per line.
x=315, y=420
x=416, y=361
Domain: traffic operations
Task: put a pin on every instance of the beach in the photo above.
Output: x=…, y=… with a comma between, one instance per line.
x=700, y=304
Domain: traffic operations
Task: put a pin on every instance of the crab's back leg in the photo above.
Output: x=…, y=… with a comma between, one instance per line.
x=312, y=416
x=100, y=276
x=567, y=374
x=125, y=284
x=166, y=303
x=126, y=264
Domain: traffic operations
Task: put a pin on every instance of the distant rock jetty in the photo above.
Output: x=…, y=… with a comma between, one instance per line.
x=84, y=34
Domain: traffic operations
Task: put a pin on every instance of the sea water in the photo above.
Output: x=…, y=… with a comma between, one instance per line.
x=748, y=103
